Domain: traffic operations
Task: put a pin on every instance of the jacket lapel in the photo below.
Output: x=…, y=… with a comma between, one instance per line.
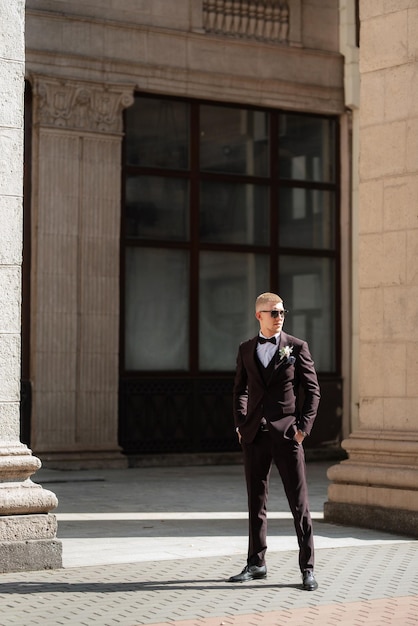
x=252, y=353
x=284, y=341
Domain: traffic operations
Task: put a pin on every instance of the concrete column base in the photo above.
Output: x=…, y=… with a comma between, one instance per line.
x=22, y=556
x=27, y=529
x=28, y=542
x=376, y=517
x=377, y=487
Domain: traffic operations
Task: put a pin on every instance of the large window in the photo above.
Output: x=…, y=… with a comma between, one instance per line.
x=222, y=203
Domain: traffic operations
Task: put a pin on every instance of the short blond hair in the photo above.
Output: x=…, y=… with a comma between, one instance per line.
x=264, y=298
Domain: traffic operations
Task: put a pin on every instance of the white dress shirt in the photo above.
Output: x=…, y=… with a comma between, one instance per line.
x=266, y=351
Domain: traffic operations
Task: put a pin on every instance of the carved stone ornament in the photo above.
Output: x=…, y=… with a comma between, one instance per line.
x=75, y=105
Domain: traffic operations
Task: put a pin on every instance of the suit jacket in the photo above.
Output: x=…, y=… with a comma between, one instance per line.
x=279, y=399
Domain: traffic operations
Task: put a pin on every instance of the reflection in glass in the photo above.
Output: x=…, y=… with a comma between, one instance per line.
x=306, y=218
x=229, y=284
x=306, y=148
x=307, y=286
x=158, y=133
x=234, y=141
x=156, y=309
x=234, y=213
x=157, y=208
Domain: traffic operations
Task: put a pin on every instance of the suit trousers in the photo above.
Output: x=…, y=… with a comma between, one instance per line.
x=289, y=458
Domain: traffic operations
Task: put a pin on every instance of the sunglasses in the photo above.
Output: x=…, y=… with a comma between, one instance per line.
x=275, y=313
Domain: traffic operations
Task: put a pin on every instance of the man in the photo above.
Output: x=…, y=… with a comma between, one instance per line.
x=271, y=370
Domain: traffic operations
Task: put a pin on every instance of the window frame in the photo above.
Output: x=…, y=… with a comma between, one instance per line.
x=193, y=244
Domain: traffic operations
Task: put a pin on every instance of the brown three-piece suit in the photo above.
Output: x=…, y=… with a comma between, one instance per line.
x=270, y=404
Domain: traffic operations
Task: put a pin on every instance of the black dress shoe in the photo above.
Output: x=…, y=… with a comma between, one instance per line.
x=250, y=572
x=309, y=582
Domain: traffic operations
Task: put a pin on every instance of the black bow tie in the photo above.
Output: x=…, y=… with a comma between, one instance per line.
x=264, y=340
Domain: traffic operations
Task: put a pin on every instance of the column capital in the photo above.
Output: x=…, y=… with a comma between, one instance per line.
x=80, y=105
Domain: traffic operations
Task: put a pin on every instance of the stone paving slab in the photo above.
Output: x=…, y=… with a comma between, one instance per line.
x=368, y=585
x=156, y=546
x=122, y=516
x=399, y=611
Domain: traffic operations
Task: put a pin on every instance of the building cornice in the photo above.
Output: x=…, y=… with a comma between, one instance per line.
x=185, y=82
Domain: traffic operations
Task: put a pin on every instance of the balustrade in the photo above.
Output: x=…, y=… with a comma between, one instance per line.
x=265, y=20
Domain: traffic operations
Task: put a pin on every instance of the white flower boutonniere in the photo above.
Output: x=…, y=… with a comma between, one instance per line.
x=286, y=353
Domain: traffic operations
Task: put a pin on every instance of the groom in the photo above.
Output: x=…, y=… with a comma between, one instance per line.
x=271, y=370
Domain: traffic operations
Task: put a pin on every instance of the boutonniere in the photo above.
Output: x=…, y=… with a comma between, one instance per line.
x=286, y=353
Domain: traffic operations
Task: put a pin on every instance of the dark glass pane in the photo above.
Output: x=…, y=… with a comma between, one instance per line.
x=306, y=148
x=157, y=208
x=229, y=284
x=306, y=218
x=307, y=286
x=234, y=141
x=156, y=309
x=157, y=133
x=234, y=213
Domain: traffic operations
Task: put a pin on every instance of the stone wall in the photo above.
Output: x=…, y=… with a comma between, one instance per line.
x=27, y=530
x=312, y=24
x=83, y=73
x=11, y=176
x=162, y=47
x=378, y=485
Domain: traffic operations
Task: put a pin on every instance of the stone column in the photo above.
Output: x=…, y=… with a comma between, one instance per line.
x=377, y=486
x=75, y=271
x=27, y=530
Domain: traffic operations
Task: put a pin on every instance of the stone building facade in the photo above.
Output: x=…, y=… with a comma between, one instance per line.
x=179, y=159
x=120, y=199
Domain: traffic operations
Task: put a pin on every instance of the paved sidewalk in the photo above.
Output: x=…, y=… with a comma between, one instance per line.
x=157, y=545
